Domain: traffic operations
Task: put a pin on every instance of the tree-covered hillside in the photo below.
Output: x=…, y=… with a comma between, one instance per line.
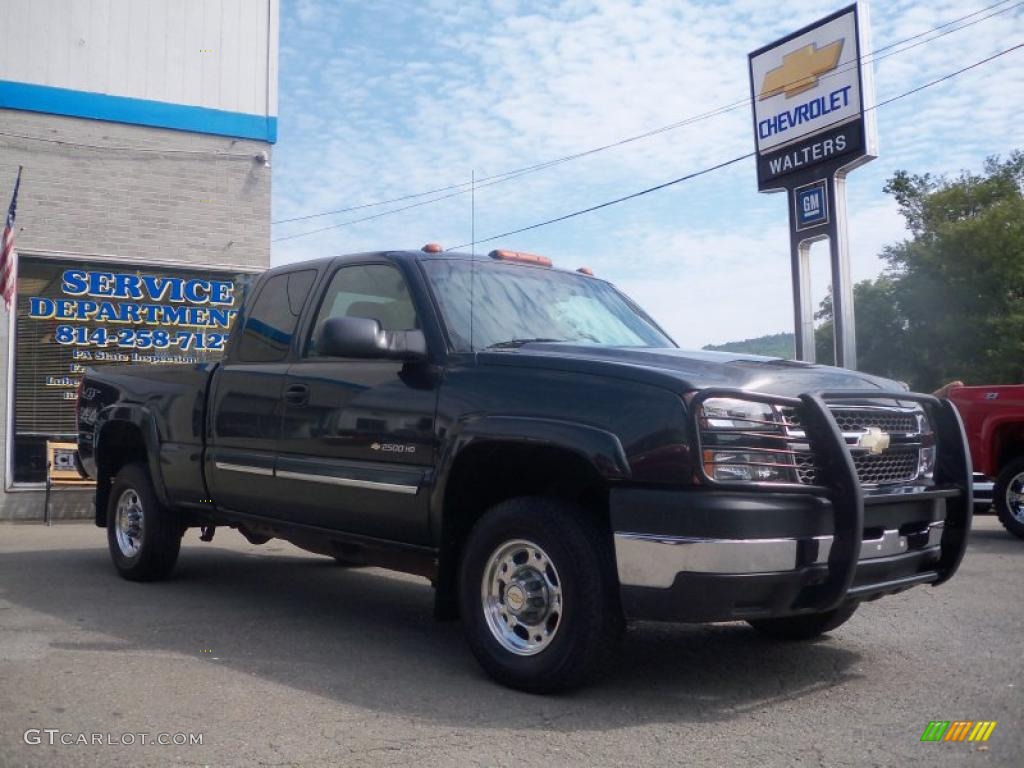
x=773, y=345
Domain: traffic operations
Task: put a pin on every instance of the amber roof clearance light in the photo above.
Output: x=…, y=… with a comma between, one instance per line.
x=523, y=258
x=432, y=248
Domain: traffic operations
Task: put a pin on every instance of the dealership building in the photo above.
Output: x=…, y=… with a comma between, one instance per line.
x=144, y=132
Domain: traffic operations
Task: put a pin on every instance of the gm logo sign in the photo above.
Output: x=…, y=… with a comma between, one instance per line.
x=810, y=203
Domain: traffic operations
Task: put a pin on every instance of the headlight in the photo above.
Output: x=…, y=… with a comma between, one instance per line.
x=744, y=441
x=926, y=462
x=746, y=467
x=926, y=467
x=727, y=413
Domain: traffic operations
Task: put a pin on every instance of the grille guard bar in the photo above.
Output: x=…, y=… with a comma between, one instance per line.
x=838, y=481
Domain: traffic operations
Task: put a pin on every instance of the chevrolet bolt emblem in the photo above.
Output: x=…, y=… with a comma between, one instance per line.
x=800, y=70
x=874, y=440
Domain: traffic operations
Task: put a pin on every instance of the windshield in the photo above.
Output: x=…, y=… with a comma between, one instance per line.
x=517, y=304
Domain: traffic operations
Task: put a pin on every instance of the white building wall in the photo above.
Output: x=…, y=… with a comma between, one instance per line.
x=218, y=54
x=145, y=129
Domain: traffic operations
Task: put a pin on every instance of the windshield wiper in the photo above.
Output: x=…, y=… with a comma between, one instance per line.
x=515, y=343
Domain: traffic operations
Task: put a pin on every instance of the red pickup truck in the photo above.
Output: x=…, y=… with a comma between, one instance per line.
x=994, y=421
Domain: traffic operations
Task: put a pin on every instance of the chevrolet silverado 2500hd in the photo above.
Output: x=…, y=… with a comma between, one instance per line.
x=533, y=443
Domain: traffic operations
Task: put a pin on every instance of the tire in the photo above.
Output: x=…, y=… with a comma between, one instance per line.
x=804, y=627
x=144, y=538
x=1009, y=497
x=552, y=561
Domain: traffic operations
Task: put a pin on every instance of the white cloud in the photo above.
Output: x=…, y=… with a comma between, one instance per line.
x=378, y=103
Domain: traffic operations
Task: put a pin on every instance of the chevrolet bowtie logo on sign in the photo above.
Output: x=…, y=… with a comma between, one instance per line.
x=809, y=91
x=800, y=70
x=958, y=730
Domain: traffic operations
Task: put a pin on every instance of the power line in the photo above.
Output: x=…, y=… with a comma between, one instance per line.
x=373, y=216
x=616, y=201
x=949, y=76
x=501, y=178
x=689, y=176
x=515, y=173
x=365, y=218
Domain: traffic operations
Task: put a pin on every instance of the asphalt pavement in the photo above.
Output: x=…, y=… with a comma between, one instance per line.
x=274, y=657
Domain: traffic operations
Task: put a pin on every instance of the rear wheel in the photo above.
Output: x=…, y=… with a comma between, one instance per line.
x=804, y=627
x=1009, y=497
x=144, y=538
x=538, y=596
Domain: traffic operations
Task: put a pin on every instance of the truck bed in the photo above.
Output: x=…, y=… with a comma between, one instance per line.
x=173, y=396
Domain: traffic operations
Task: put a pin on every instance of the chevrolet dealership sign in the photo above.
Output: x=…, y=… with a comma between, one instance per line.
x=809, y=92
x=813, y=99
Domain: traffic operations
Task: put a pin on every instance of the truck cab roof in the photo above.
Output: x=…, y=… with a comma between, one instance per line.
x=412, y=256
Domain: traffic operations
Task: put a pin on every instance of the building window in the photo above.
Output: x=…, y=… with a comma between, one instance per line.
x=73, y=315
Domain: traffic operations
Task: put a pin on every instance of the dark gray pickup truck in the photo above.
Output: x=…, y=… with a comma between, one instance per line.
x=533, y=443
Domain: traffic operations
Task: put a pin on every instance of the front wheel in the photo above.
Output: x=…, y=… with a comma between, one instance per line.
x=538, y=595
x=1009, y=497
x=804, y=627
x=144, y=538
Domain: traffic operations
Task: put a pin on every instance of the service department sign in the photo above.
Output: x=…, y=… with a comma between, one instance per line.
x=809, y=92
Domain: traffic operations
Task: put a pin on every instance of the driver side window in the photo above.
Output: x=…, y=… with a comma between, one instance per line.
x=376, y=291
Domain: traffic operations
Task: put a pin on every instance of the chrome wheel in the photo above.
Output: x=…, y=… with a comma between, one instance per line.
x=129, y=523
x=522, y=597
x=1015, y=497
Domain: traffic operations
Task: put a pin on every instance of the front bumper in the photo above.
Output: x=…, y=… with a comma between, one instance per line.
x=703, y=554
x=984, y=492
x=707, y=571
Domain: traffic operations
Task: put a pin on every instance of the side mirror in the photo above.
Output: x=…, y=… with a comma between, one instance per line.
x=362, y=337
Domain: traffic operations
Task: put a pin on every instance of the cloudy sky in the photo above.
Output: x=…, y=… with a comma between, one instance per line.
x=385, y=98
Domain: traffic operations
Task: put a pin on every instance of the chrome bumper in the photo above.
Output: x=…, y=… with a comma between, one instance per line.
x=984, y=491
x=646, y=560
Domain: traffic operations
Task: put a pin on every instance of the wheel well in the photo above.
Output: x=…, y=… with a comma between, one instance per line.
x=1009, y=441
x=119, y=443
x=488, y=473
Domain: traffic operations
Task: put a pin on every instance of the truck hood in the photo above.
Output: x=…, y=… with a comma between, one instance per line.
x=684, y=370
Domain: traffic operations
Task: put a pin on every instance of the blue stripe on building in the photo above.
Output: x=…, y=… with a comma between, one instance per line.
x=123, y=109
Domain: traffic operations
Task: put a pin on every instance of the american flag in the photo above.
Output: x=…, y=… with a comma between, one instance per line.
x=8, y=258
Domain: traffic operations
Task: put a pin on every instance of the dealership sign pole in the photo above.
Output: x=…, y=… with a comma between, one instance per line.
x=813, y=123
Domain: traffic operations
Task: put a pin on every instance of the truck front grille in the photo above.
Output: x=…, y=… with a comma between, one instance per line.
x=891, y=444
x=900, y=463
x=860, y=419
x=883, y=469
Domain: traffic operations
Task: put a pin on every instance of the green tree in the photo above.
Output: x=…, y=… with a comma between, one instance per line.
x=950, y=304
x=880, y=329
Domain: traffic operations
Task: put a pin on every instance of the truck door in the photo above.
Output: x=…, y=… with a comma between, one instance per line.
x=245, y=404
x=357, y=436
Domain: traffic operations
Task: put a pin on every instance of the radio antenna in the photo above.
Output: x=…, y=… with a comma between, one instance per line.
x=472, y=253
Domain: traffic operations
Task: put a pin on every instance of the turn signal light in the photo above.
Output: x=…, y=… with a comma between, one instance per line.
x=432, y=248
x=524, y=258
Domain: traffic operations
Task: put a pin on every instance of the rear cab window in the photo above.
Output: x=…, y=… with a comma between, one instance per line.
x=269, y=326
